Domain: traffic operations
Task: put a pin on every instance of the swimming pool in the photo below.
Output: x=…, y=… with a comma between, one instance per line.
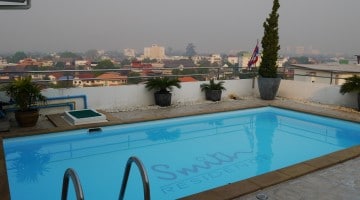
x=182, y=156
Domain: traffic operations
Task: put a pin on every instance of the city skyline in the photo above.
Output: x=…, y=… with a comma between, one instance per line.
x=52, y=26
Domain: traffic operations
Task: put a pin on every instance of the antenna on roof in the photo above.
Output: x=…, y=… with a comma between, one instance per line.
x=15, y=4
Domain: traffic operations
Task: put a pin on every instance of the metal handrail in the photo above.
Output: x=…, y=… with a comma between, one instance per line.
x=75, y=179
x=144, y=178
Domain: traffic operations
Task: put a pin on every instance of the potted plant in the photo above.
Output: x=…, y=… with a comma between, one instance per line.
x=26, y=96
x=162, y=87
x=268, y=80
x=352, y=84
x=213, y=90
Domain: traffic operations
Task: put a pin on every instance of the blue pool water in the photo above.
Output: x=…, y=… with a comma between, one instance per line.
x=182, y=156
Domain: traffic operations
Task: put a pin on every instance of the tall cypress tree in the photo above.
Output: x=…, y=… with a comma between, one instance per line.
x=270, y=44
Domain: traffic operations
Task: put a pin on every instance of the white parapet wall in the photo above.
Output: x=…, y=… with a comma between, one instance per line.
x=136, y=96
x=127, y=97
x=317, y=92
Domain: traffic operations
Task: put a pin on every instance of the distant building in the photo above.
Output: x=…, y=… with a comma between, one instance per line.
x=187, y=79
x=333, y=74
x=84, y=80
x=101, y=52
x=82, y=63
x=47, y=63
x=300, y=50
x=139, y=64
x=3, y=62
x=54, y=77
x=185, y=63
x=29, y=62
x=65, y=78
x=111, y=79
x=94, y=64
x=154, y=52
x=198, y=59
x=233, y=59
x=244, y=59
x=129, y=53
x=215, y=58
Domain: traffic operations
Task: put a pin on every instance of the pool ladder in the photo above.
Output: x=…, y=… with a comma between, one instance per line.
x=70, y=173
x=144, y=178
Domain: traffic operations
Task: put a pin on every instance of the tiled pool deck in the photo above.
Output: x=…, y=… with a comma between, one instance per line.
x=334, y=176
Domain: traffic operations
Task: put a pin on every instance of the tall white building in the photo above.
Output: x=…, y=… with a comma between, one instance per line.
x=154, y=52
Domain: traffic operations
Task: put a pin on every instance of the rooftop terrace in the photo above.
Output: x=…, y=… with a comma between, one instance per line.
x=320, y=182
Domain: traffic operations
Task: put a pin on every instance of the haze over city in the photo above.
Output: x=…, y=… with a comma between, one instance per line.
x=328, y=26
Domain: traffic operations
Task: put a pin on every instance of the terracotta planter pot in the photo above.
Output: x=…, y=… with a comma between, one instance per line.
x=27, y=118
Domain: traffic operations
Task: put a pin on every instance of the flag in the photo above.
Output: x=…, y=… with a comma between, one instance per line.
x=254, y=56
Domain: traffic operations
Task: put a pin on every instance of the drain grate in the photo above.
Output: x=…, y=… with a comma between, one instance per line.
x=262, y=196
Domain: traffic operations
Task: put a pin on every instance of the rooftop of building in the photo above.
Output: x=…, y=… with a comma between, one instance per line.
x=353, y=68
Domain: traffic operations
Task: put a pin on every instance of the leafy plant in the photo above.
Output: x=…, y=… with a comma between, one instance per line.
x=270, y=44
x=162, y=84
x=352, y=84
x=25, y=93
x=212, y=85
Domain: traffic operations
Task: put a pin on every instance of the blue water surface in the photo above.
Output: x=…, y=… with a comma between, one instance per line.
x=182, y=156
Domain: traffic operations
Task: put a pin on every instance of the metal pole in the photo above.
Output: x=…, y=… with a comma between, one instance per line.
x=331, y=77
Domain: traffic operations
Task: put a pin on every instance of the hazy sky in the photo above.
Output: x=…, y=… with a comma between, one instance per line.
x=212, y=26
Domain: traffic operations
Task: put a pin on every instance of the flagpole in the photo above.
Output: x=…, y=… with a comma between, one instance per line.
x=253, y=79
x=257, y=44
x=254, y=55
